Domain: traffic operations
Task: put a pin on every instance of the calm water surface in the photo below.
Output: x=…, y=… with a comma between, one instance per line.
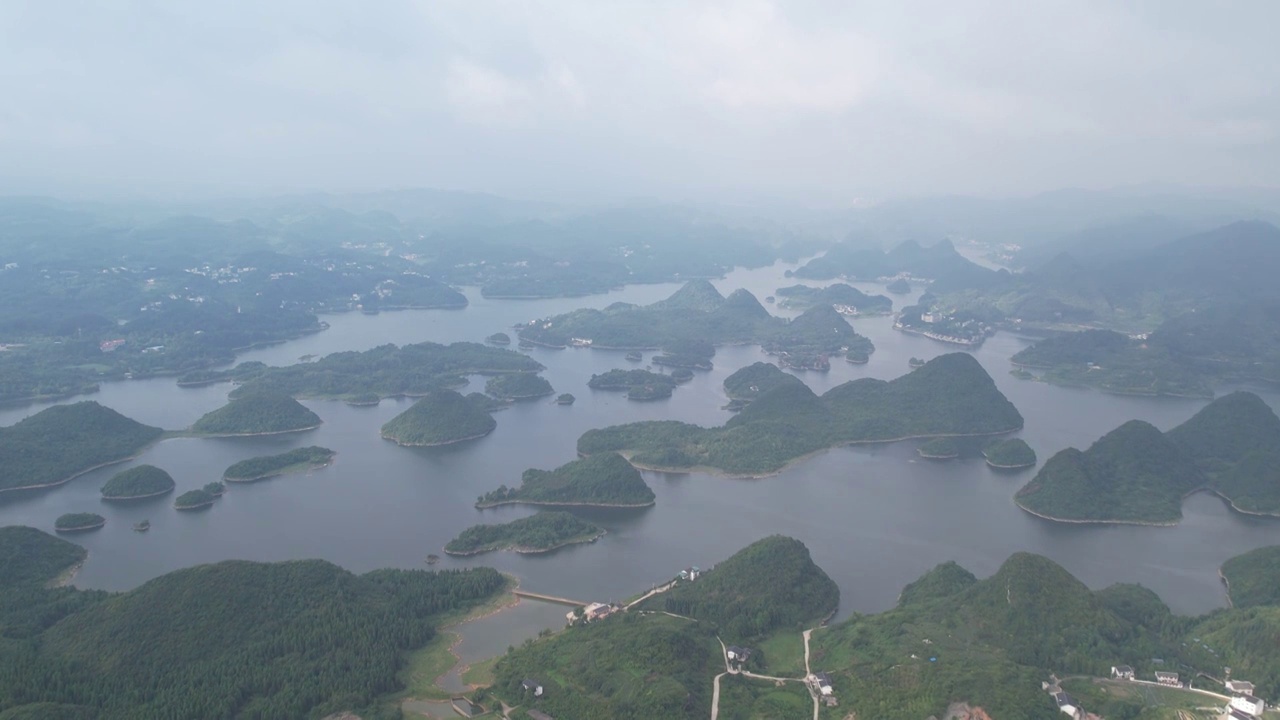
x=875, y=518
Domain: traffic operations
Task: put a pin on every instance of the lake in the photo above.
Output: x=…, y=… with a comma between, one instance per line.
x=875, y=518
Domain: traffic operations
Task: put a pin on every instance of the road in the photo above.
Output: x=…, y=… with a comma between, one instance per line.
x=724, y=653
x=651, y=593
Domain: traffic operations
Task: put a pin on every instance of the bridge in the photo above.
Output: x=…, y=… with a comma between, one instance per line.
x=549, y=598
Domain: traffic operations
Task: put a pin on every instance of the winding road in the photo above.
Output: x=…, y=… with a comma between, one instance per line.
x=724, y=653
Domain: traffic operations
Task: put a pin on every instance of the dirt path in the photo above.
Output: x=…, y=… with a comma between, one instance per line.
x=715, y=697
x=651, y=593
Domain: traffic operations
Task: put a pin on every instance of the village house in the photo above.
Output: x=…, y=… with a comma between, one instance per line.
x=738, y=654
x=1167, y=678
x=532, y=686
x=690, y=573
x=823, y=682
x=1067, y=705
x=1248, y=704
x=1240, y=687
x=1121, y=672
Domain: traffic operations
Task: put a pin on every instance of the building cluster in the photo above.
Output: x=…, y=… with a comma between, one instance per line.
x=1243, y=705
x=594, y=611
x=820, y=684
x=737, y=656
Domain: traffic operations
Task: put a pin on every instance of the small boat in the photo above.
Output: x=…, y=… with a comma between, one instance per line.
x=433, y=559
x=143, y=526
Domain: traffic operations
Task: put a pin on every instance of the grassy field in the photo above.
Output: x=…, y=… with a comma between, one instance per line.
x=480, y=674
x=784, y=654
x=1158, y=703
x=745, y=699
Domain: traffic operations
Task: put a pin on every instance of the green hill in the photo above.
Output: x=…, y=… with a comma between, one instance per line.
x=518, y=386
x=260, y=468
x=1136, y=474
x=29, y=556
x=63, y=441
x=75, y=522
x=439, y=418
x=772, y=584
x=195, y=499
x=949, y=395
x=746, y=384
x=1011, y=453
x=539, y=533
x=260, y=413
x=1254, y=578
x=138, y=482
x=804, y=297
x=604, y=479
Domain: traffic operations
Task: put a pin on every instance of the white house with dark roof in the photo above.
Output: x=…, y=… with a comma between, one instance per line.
x=1067, y=705
x=532, y=686
x=1231, y=713
x=1240, y=687
x=1168, y=678
x=1121, y=672
x=1248, y=704
x=737, y=654
x=823, y=681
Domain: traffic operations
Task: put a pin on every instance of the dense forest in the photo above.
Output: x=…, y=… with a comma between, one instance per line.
x=1115, y=363
x=602, y=479
x=384, y=371
x=1009, y=454
x=803, y=297
x=235, y=639
x=1135, y=473
x=618, y=379
x=63, y=441
x=195, y=499
x=265, y=466
x=542, y=532
x=770, y=585
x=1253, y=578
x=746, y=384
x=949, y=395
x=71, y=522
x=518, y=386
x=856, y=262
x=138, y=482
x=262, y=412
x=439, y=418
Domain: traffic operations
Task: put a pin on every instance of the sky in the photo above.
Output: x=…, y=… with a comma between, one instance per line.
x=831, y=102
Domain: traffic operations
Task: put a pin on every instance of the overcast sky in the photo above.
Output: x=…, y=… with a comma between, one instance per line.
x=590, y=100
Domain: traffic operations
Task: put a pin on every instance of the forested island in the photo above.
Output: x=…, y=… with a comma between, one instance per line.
x=139, y=482
x=950, y=395
x=499, y=338
x=1253, y=579
x=384, y=371
x=64, y=441
x=1136, y=474
x=943, y=448
x=540, y=533
x=638, y=384
x=1010, y=454
x=234, y=639
x=262, y=412
x=748, y=383
x=602, y=480
x=845, y=299
x=689, y=324
x=78, y=522
x=518, y=386
x=565, y=399
x=441, y=417
x=268, y=466
x=195, y=499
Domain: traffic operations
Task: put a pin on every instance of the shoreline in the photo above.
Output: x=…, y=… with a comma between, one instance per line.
x=526, y=550
x=99, y=466
x=549, y=503
x=64, y=578
x=1149, y=523
x=196, y=433
x=80, y=528
x=1227, y=583
x=184, y=508
x=288, y=470
x=127, y=498
x=1007, y=467
x=435, y=444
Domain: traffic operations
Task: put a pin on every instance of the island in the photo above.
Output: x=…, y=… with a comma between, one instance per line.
x=263, y=412
x=518, y=386
x=1011, y=454
x=139, y=482
x=603, y=480
x=1253, y=579
x=143, y=526
x=269, y=466
x=385, y=371
x=844, y=299
x=942, y=448
x=681, y=375
x=948, y=326
x=441, y=417
x=216, y=488
x=499, y=338
x=78, y=522
x=746, y=384
x=635, y=356
x=364, y=399
x=689, y=325
x=951, y=395
x=915, y=362
x=1114, y=363
x=899, y=286
x=1135, y=474
x=639, y=384
x=62, y=442
x=565, y=399
x=540, y=533
x=195, y=499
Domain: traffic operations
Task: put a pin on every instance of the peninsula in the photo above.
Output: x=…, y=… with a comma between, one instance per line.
x=638, y=384
x=78, y=522
x=441, y=417
x=1114, y=363
x=539, y=533
x=602, y=480
x=1253, y=579
x=139, y=482
x=64, y=441
x=268, y=466
x=264, y=412
x=748, y=383
x=1136, y=474
x=950, y=395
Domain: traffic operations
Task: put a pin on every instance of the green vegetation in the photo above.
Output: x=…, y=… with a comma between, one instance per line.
x=194, y=499
x=440, y=418
x=499, y=338
x=627, y=379
x=266, y=466
x=518, y=386
x=861, y=263
x=943, y=448
x=644, y=393
x=1112, y=362
x=1137, y=474
x=748, y=383
x=384, y=371
x=744, y=699
x=691, y=322
x=539, y=533
x=72, y=522
x=605, y=479
x=769, y=585
x=1011, y=453
x=950, y=395
x=63, y=441
x=565, y=399
x=1253, y=578
x=259, y=413
x=215, y=488
x=234, y=639
x=138, y=482
x=627, y=667
x=804, y=297
x=899, y=287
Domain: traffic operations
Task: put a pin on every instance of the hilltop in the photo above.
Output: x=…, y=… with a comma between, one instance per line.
x=63, y=441
x=263, y=412
x=266, y=466
x=539, y=533
x=1137, y=474
x=857, y=302
x=908, y=257
x=605, y=480
x=138, y=482
x=748, y=383
x=949, y=395
x=440, y=418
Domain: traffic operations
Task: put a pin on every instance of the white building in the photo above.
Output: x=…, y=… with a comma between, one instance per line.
x=1248, y=704
x=1121, y=672
x=1242, y=687
x=1067, y=705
